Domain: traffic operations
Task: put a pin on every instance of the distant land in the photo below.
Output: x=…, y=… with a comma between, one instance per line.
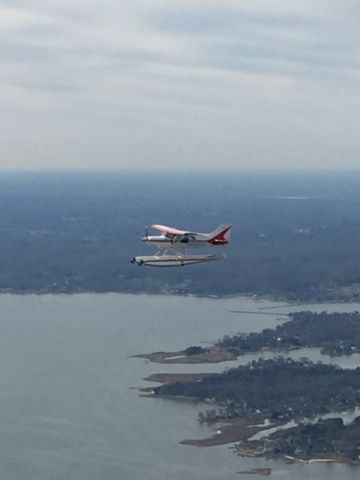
x=295, y=235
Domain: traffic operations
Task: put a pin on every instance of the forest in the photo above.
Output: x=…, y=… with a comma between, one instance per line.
x=335, y=333
x=325, y=438
x=279, y=388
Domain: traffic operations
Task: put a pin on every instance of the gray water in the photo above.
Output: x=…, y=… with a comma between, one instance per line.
x=67, y=409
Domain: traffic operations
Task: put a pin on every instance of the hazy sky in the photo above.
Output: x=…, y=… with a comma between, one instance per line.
x=176, y=83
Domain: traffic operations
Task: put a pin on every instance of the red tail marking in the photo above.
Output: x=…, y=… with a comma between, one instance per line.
x=220, y=238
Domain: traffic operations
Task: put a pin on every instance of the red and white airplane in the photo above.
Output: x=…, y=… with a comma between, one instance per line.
x=177, y=241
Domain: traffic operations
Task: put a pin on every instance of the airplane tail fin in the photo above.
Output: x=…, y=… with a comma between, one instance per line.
x=221, y=235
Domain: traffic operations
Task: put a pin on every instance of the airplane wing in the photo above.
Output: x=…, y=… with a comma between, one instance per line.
x=170, y=231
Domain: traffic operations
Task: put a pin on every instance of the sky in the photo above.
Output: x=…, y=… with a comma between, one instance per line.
x=148, y=84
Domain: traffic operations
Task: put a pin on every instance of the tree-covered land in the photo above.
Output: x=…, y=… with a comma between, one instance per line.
x=335, y=333
x=329, y=438
x=279, y=388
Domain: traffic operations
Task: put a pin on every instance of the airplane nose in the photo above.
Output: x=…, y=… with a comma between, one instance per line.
x=144, y=239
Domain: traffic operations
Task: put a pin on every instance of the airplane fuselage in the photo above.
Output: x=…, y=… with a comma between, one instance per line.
x=161, y=241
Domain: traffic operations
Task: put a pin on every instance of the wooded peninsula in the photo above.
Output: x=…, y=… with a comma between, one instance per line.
x=277, y=391
x=335, y=334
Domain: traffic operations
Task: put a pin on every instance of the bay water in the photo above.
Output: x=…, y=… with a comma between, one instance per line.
x=69, y=399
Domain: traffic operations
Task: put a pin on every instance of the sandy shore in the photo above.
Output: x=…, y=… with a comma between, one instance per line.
x=323, y=458
x=212, y=355
x=177, y=377
x=232, y=431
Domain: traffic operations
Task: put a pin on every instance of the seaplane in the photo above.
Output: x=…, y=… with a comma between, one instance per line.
x=177, y=242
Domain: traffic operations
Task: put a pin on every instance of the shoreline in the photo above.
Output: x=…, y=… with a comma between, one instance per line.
x=289, y=302
x=227, y=431
x=239, y=430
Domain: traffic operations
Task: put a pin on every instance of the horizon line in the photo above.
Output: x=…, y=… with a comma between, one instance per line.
x=177, y=170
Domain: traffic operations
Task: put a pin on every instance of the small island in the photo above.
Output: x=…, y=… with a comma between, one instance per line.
x=265, y=472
